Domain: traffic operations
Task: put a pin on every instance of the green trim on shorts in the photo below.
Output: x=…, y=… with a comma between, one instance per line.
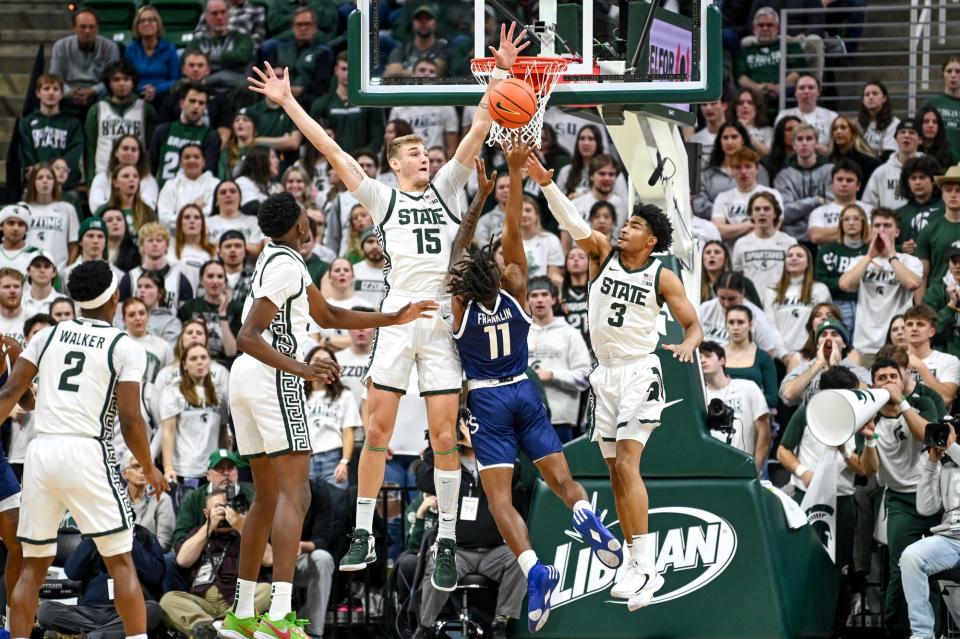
x=113, y=478
x=608, y=439
x=384, y=387
x=254, y=456
x=375, y=449
x=455, y=449
x=622, y=424
x=105, y=533
x=36, y=542
x=647, y=421
x=445, y=391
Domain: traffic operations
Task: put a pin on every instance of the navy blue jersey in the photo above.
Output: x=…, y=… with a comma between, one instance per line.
x=493, y=343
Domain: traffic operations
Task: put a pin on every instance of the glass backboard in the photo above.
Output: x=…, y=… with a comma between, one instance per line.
x=617, y=52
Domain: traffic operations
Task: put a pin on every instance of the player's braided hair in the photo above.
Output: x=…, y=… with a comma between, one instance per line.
x=475, y=277
x=89, y=279
x=277, y=215
x=659, y=224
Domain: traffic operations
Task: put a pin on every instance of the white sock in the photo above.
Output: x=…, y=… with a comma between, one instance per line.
x=527, y=560
x=243, y=604
x=280, y=599
x=365, y=508
x=143, y=636
x=641, y=551
x=448, y=492
x=6, y=620
x=583, y=504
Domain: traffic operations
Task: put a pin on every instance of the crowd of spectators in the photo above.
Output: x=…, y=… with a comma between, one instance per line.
x=828, y=242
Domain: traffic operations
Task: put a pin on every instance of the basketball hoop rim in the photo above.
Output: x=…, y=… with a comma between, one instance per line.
x=532, y=68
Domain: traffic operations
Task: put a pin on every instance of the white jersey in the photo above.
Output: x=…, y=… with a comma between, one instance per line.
x=369, y=283
x=112, y=123
x=623, y=309
x=828, y=215
x=281, y=276
x=746, y=400
x=80, y=363
x=417, y=229
x=52, y=228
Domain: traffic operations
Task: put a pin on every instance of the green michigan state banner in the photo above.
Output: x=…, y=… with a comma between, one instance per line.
x=820, y=502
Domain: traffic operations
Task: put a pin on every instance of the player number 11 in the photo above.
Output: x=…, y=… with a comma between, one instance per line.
x=491, y=332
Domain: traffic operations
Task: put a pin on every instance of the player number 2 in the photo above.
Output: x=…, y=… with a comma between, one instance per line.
x=618, y=310
x=75, y=360
x=428, y=241
x=491, y=331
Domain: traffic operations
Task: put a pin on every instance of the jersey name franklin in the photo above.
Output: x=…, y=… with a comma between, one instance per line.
x=80, y=339
x=496, y=318
x=627, y=292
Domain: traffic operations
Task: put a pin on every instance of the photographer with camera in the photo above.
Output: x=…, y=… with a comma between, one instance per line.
x=222, y=473
x=211, y=552
x=898, y=438
x=737, y=413
x=938, y=490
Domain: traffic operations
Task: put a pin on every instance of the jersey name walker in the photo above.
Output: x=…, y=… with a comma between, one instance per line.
x=623, y=309
x=417, y=229
x=493, y=342
x=80, y=363
x=280, y=267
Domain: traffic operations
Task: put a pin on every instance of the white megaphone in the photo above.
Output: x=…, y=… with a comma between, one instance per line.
x=834, y=416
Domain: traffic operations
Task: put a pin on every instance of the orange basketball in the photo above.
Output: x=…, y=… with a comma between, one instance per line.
x=512, y=103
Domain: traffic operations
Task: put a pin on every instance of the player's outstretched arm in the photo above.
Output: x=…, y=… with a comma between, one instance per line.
x=277, y=87
x=515, y=278
x=673, y=293
x=595, y=243
x=134, y=431
x=16, y=386
x=505, y=56
x=468, y=226
x=251, y=342
x=330, y=316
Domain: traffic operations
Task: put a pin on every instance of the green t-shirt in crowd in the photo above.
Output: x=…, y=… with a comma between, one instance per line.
x=914, y=217
x=762, y=63
x=833, y=260
x=178, y=136
x=933, y=243
x=949, y=108
x=44, y=138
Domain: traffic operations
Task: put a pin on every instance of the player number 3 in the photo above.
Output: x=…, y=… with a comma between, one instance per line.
x=618, y=310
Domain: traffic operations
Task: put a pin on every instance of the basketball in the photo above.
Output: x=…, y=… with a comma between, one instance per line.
x=512, y=103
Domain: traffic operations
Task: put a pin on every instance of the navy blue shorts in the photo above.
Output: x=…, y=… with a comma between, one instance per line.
x=9, y=486
x=509, y=418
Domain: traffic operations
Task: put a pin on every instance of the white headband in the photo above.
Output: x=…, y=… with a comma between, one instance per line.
x=103, y=298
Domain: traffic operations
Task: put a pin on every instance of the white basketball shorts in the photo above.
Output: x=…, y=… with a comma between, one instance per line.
x=268, y=409
x=426, y=342
x=79, y=475
x=626, y=401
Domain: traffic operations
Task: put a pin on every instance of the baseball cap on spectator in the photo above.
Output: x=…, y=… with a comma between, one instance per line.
x=425, y=8
x=367, y=233
x=954, y=250
x=952, y=176
x=835, y=325
x=221, y=454
x=231, y=234
x=94, y=223
x=45, y=256
x=19, y=211
x=908, y=123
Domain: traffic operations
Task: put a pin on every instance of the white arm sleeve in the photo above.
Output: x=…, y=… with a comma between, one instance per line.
x=565, y=213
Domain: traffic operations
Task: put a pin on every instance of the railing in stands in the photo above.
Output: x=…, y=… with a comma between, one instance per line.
x=901, y=53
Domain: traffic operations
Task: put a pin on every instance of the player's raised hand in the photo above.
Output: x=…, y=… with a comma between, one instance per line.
x=484, y=183
x=326, y=371
x=510, y=47
x=416, y=310
x=681, y=352
x=516, y=151
x=155, y=478
x=270, y=84
x=537, y=171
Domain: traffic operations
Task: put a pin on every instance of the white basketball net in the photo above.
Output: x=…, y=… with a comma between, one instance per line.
x=541, y=74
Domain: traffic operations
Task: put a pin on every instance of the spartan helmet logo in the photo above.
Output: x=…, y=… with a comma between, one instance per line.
x=820, y=516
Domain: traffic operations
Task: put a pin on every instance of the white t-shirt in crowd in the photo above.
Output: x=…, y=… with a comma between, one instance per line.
x=828, y=215
x=746, y=400
x=761, y=258
x=429, y=122
x=52, y=228
x=944, y=366
x=198, y=430
x=217, y=225
x=885, y=140
x=880, y=296
x=585, y=202
x=328, y=418
x=543, y=250
x=790, y=316
x=730, y=206
x=100, y=191
x=820, y=118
